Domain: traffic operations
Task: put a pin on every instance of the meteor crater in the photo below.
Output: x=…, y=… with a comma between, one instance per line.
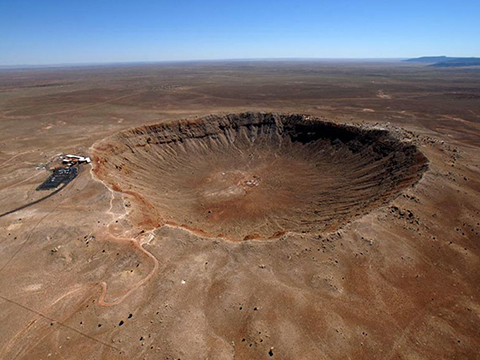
x=257, y=175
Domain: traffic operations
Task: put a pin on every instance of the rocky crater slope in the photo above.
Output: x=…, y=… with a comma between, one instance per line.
x=256, y=175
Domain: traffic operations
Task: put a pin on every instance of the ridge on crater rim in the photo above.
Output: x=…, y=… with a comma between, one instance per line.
x=257, y=175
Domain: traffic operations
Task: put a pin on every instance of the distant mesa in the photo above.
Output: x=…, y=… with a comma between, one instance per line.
x=445, y=61
x=257, y=175
x=428, y=59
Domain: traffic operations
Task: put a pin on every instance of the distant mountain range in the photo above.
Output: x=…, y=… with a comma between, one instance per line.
x=446, y=61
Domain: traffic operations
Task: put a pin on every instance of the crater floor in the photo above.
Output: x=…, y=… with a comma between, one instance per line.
x=257, y=175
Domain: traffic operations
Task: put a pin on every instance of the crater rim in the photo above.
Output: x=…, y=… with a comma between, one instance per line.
x=295, y=126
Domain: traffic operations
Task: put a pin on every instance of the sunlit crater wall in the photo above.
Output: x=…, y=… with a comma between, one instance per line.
x=256, y=175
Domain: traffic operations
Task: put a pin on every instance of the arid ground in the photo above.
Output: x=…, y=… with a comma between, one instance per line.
x=241, y=236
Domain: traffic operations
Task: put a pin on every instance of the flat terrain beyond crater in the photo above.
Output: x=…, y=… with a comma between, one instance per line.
x=90, y=272
x=256, y=175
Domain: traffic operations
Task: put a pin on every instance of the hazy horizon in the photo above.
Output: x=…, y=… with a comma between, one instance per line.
x=220, y=60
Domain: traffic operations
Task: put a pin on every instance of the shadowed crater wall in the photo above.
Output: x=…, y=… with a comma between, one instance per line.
x=256, y=175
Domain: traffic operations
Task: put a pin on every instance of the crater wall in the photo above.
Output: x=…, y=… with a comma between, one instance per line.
x=257, y=175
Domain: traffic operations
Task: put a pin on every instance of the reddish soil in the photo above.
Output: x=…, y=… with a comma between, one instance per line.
x=128, y=263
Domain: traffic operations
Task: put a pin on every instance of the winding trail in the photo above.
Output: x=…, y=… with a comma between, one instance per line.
x=121, y=239
x=103, y=284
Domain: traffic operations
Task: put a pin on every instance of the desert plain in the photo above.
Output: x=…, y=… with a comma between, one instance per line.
x=210, y=226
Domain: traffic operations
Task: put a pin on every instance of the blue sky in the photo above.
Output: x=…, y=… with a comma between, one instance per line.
x=70, y=31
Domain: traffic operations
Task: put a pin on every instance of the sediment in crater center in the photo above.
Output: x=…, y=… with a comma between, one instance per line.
x=257, y=175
